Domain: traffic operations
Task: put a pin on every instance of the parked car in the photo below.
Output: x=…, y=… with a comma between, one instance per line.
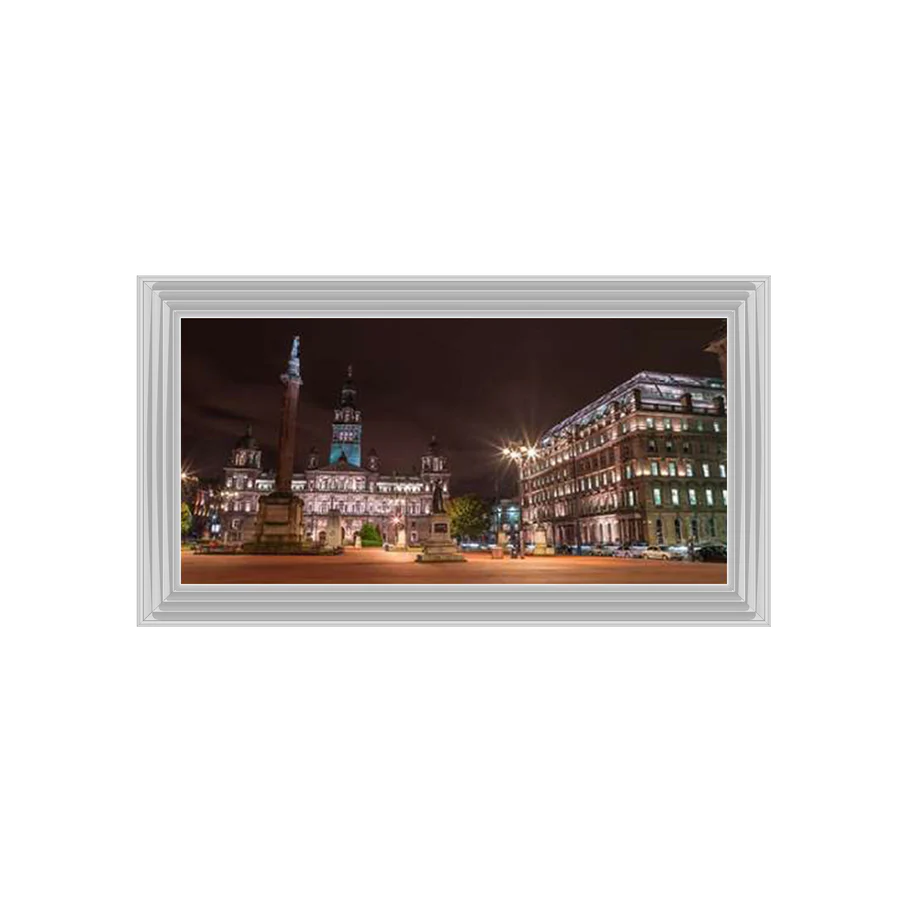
x=679, y=551
x=659, y=551
x=631, y=551
x=711, y=553
x=605, y=549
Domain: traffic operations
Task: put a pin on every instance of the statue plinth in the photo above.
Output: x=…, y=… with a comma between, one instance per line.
x=540, y=544
x=279, y=525
x=333, y=536
x=438, y=546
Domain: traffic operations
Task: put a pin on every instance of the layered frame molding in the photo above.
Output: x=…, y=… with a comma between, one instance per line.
x=164, y=600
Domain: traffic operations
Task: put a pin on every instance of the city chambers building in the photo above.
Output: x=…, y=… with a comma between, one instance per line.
x=360, y=493
x=644, y=462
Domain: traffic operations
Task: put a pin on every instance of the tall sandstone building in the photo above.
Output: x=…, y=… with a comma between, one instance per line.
x=644, y=462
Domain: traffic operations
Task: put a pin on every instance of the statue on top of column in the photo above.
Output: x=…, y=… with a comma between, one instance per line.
x=437, y=498
x=293, y=369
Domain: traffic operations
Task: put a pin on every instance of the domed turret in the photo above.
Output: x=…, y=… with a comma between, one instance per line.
x=248, y=442
x=434, y=461
x=246, y=453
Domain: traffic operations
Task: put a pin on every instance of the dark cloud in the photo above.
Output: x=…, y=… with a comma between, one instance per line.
x=473, y=383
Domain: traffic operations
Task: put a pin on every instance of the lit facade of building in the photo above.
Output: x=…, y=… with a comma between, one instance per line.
x=644, y=462
x=359, y=493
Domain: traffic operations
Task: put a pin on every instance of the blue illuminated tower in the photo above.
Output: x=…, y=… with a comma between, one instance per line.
x=346, y=432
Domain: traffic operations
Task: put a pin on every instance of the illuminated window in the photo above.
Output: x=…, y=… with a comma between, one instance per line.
x=654, y=467
x=722, y=470
x=692, y=497
x=650, y=424
x=699, y=425
x=667, y=424
x=628, y=472
x=657, y=497
x=705, y=468
x=674, y=495
x=717, y=426
x=631, y=498
x=709, y=497
x=725, y=497
x=672, y=469
x=689, y=469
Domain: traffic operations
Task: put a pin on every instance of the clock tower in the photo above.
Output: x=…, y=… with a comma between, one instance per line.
x=346, y=432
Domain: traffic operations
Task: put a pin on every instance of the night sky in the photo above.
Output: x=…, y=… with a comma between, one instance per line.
x=475, y=384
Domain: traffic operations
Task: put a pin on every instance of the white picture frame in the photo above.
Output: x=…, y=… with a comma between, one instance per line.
x=164, y=600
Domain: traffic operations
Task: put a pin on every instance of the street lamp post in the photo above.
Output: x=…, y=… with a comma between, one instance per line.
x=519, y=454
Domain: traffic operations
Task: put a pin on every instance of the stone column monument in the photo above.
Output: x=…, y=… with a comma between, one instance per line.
x=279, y=522
x=437, y=545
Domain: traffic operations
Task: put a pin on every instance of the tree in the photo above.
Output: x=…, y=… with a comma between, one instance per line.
x=470, y=516
x=186, y=519
x=370, y=536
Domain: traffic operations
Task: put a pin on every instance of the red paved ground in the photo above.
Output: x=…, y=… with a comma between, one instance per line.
x=380, y=567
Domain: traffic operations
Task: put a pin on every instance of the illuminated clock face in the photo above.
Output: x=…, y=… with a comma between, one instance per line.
x=345, y=439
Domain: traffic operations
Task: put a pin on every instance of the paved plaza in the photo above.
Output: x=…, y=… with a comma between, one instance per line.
x=380, y=567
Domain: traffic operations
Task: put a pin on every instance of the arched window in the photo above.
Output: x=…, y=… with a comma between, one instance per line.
x=678, y=536
x=659, y=531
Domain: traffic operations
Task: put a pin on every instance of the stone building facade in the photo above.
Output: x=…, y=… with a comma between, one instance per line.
x=360, y=493
x=647, y=461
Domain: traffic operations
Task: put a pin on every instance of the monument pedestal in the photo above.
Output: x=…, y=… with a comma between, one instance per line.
x=540, y=544
x=333, y=537
x=279, y=525
x=438, y=546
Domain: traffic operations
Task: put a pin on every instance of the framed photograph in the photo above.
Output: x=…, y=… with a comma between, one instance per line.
x=453, y=452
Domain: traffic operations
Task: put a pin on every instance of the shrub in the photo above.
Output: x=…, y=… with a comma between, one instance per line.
x=370, y=536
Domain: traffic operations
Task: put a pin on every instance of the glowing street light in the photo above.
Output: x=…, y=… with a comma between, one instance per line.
x=520, y=454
